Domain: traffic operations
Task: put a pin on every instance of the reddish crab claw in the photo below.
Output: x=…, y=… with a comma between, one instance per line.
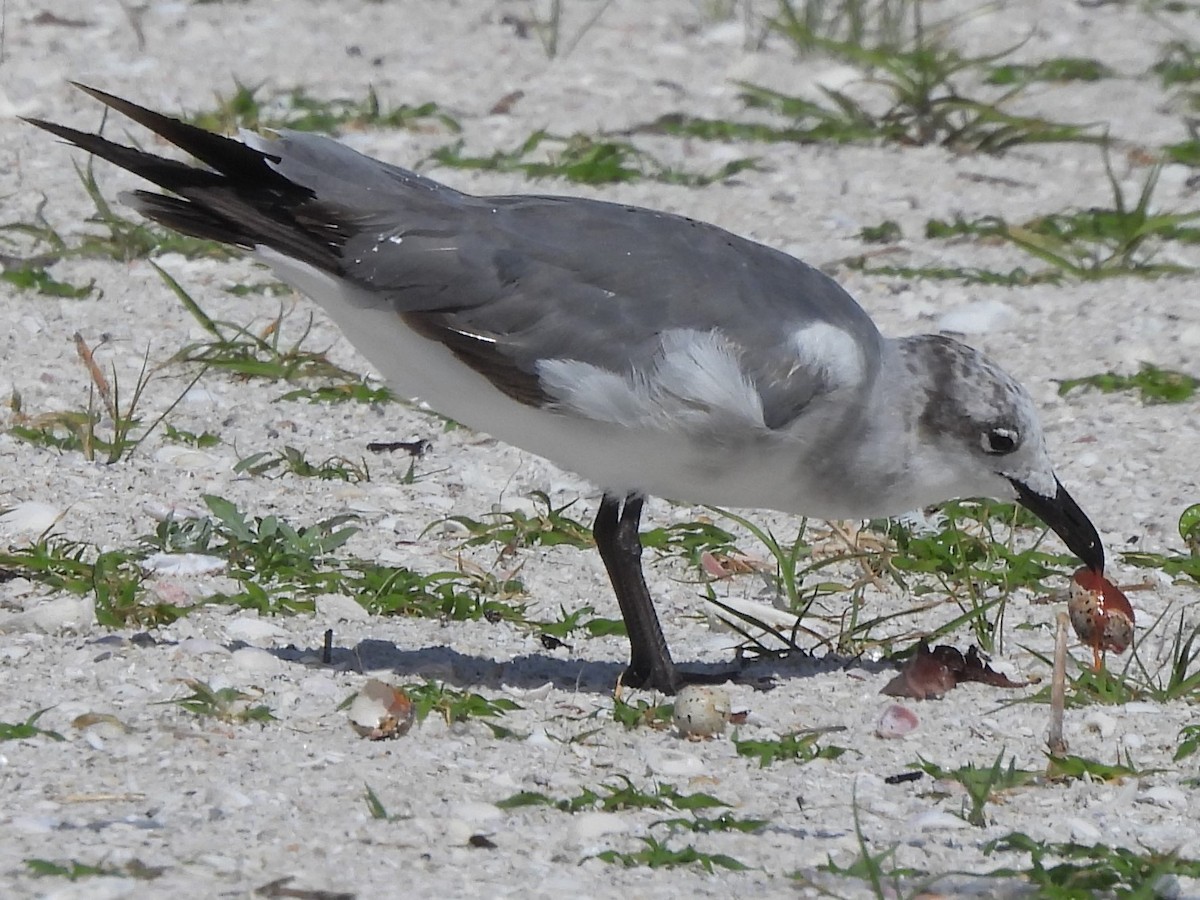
x=1100, y=614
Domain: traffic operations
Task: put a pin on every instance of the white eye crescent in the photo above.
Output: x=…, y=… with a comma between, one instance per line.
x=1000, y=440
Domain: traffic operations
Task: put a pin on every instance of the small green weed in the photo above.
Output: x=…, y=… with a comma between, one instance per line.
x=973, y=560
x=293, y=461
x=375, y=806
x=925, y=104
x=226, y=704
x=1064, y=68
x=879, y=870
x=454, y=705
x=550, y=29
x=120, y=239
x=812, y=24
x=789, y=576
x=399, y=591
x=204, y=440
x=242, y=354
x=113, y=577
x=1070, y=870
x=260, y=289
x=1182, y=674
x=298, y=111
x=1176, y=564
x=983, y=785
x=280, y=567
x=1017, y=277
x=813, y=124
x=32, y=278
x=1189, y=743
x=689, y=540
x=618, y=797
x=343, y=392
x=19, y=731
x=270, y=547
x=1094, y=243
x=657, y=855
x=1179, y=63
x=549, y=526
x=109, y=430
x=1075, y=768
x=581, y=620
x=263, y=553
x=976, y=559
x=642, y=712
x=1089, y=686
x=704, y=825
x=73, y=870
x=1185, y=153
x=626, y=796
x=1154, y=385
x=584, y=160
x=801, y=746
x=886, y=232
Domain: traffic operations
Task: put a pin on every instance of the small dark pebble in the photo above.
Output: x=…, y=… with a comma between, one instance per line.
x=412, y=448
x=280, y=888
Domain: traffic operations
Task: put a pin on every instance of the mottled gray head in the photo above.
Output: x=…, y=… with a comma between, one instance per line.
x=984, y=429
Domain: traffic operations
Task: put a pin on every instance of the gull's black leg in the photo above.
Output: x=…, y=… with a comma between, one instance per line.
x=620, y=545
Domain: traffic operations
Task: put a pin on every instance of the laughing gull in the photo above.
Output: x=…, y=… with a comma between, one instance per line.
x=650, y=353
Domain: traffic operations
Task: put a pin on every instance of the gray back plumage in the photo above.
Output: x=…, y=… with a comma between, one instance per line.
x=504, y=282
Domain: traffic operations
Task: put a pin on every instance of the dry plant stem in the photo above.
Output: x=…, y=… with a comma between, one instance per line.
x=854, y=545
x=619, y=687
x=104, y=798
x=85, y=354
x=1058, y=689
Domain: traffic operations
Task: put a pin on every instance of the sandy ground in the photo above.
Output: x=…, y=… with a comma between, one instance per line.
x=225, y=809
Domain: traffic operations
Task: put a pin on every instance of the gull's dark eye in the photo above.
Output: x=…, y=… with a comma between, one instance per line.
x=998, y=441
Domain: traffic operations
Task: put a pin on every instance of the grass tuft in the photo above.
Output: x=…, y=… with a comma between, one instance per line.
x=982, y=785
x=1154, y=385
x=19, y=731
x=226, y=704
x=583, y=160
x=1059, y=871
x=298, y=111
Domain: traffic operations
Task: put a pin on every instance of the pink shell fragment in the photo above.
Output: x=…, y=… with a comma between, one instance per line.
x=896, y=722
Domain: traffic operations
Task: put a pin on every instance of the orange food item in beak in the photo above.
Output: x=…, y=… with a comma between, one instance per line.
x=1100, y=614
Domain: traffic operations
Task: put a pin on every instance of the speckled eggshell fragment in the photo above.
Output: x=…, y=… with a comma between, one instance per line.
x=701, y=710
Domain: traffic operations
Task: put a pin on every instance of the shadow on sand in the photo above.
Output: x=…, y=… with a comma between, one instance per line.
x=533, y=670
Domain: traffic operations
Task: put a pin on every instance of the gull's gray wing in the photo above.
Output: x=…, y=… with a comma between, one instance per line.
x=510, y=284
x=518, y=280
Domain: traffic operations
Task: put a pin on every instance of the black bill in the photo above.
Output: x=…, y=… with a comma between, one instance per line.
x=1067, y=520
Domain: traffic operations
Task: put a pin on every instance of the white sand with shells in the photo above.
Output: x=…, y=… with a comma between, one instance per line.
x=225, y=809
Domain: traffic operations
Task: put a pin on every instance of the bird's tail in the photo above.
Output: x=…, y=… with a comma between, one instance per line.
x=240, y=199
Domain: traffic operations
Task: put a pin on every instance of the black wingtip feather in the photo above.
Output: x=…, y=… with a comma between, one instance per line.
x=240, y=199
x=189, y=218
x=227, y=156
x=166, y=173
